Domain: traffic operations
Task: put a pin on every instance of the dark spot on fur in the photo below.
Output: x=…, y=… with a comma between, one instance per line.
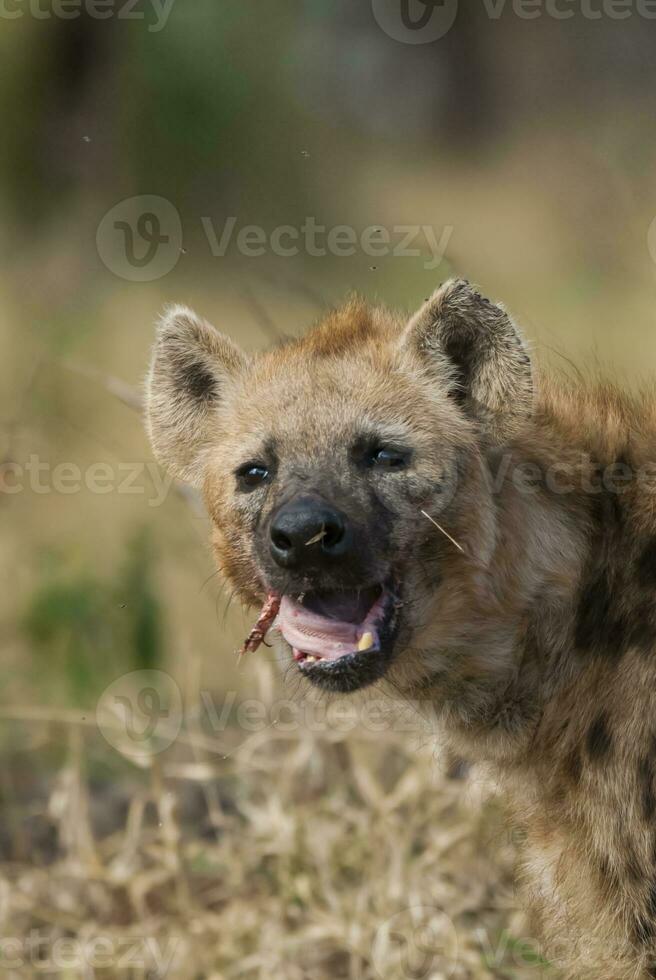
x=599, y=629
x=611, y=507
x=594, y=606
x=607, y=622
x=599, y=739
x=646, y=564
x=606, y=511
x=613, y=616
x=573, y=765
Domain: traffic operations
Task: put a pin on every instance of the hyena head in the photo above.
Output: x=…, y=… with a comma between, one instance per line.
x=328, y=463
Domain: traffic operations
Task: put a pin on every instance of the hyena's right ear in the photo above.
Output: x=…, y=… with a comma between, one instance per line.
x=475, y=350
x=190, y=367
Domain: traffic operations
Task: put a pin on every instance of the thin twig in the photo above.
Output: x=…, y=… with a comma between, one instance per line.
x=445, y=533
x=317, y=537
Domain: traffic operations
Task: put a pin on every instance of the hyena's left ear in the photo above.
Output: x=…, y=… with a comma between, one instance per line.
x=474, y=347
x=191, y=366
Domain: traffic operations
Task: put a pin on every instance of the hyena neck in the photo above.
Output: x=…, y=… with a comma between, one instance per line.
x=565, y=593
x=562, y=715
x=515, y=653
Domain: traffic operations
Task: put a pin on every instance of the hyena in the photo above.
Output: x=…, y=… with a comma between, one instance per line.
x=330, y=467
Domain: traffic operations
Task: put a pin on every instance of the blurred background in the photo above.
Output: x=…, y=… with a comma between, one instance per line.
x=168, y=811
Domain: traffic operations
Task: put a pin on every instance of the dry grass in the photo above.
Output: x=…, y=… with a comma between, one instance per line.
x=275, y=853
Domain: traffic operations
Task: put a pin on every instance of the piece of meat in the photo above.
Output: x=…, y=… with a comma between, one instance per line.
x=264, y=623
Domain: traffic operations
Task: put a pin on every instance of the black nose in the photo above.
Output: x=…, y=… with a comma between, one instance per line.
x=307, y=531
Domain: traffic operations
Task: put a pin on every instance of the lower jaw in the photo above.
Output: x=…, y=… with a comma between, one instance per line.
x=359, y=669
x=352, y=672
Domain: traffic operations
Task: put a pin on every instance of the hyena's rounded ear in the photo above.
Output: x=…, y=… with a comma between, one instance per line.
x=474, y=347
x=191, y=365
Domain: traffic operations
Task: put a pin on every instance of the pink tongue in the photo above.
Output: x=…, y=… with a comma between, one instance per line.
x=318, y=635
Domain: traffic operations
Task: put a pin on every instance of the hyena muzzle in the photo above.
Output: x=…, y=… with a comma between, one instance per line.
x=412, y=507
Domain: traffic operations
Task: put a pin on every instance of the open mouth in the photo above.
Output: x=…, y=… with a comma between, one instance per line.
x=330, y=625
x=341, y=639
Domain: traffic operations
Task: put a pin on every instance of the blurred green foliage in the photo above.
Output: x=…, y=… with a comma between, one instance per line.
x=83, y=630
x=106, y=109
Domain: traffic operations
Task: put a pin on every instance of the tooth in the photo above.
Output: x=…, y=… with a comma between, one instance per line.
x=311, y=660
x=366, y=642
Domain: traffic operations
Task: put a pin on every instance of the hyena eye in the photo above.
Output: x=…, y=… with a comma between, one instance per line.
x=389, y=459
x=252, y=475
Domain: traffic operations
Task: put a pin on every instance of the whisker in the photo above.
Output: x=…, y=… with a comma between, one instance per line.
x=209, y=579
x=227, y=606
